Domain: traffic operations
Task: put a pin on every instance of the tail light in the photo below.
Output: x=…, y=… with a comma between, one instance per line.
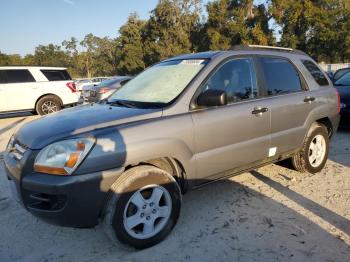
x=339, y=103
x=104, y=90
x=72, y=87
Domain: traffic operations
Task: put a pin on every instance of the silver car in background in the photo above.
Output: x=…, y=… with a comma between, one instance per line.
x=95, y=93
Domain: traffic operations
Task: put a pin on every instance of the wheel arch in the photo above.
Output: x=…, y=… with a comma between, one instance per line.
x=48, y=94
x=328, y=124
x=169, y=164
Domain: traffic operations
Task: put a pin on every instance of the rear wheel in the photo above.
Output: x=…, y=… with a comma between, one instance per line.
x=143, y=208
x=313, y=156
x=48, y=104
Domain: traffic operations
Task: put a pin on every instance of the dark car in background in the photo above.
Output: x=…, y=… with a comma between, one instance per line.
x=95, y=93
x=339, y=73
x=342, y=84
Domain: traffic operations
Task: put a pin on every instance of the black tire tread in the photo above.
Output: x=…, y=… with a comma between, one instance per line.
x=298, y=160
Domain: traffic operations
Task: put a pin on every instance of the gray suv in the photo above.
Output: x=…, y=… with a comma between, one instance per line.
x=180, y=124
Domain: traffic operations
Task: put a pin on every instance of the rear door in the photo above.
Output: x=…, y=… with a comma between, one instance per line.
x=289, y=100
x=18, y=90
x=234, y=135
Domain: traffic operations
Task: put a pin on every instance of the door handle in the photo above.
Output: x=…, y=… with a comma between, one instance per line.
x=259, y=110
x=309, y=99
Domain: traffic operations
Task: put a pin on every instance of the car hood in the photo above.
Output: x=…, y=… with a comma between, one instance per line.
x=78, y=120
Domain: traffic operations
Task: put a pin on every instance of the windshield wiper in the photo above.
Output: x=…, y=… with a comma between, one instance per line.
x=135, y=104
x=122, y=103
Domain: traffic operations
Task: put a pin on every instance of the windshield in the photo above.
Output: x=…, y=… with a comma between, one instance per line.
x=344, y=80
x=161, y=83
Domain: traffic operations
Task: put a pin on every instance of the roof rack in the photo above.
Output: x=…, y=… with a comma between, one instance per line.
x=271, y=47
x=264, y=47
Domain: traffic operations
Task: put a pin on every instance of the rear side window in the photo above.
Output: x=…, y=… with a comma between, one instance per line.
x=10, y=76
x=56, y=75
x=316, y=73
x=281, y=76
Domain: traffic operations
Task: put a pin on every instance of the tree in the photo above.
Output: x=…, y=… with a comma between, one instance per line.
x=321, y=28
x=130, y=51
x=50, y=55
x=168, y=31
x=235, y=22
x=105, y=56
x=86, y=57
x=7, y=60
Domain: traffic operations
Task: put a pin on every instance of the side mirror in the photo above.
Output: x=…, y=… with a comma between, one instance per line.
x=212, y=97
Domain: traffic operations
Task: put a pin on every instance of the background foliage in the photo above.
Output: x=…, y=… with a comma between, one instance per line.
x=319, y=27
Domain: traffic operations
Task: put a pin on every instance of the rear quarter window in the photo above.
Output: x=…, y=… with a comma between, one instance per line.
x=316, y=73
x=10, y=76
x=56, y=75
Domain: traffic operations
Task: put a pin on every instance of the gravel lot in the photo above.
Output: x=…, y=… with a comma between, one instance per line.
x=271, y=214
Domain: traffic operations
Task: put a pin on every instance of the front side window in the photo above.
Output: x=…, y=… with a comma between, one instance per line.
x=237, y=78
x=316, y=73
x=281, y=77
x=56, y=75
x=10, y=76
x=161, y=83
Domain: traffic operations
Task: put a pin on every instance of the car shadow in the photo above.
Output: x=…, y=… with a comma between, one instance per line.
x=326, y=214
x=12, y=115
x=226, y=221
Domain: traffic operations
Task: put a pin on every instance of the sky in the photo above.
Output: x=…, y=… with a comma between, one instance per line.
x=27, y=23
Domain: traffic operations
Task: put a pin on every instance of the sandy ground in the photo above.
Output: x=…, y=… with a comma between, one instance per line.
x=271, y=214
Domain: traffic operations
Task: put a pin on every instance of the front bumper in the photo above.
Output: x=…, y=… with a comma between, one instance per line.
x=75, y=201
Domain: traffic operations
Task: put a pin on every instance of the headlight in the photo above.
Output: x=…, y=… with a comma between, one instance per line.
x=342, y=105
x=63, y=157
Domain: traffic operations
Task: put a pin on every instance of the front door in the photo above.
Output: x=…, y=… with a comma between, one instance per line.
x=237, y=134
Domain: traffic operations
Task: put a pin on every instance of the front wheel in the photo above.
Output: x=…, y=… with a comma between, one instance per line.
x=314, y=153
x=143, y=208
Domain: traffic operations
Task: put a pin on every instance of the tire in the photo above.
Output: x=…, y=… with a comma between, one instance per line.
x=304, y=161
x=48, y=104
x=144, y=181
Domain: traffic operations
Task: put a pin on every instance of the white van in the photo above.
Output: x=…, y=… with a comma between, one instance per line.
x=43, y=90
